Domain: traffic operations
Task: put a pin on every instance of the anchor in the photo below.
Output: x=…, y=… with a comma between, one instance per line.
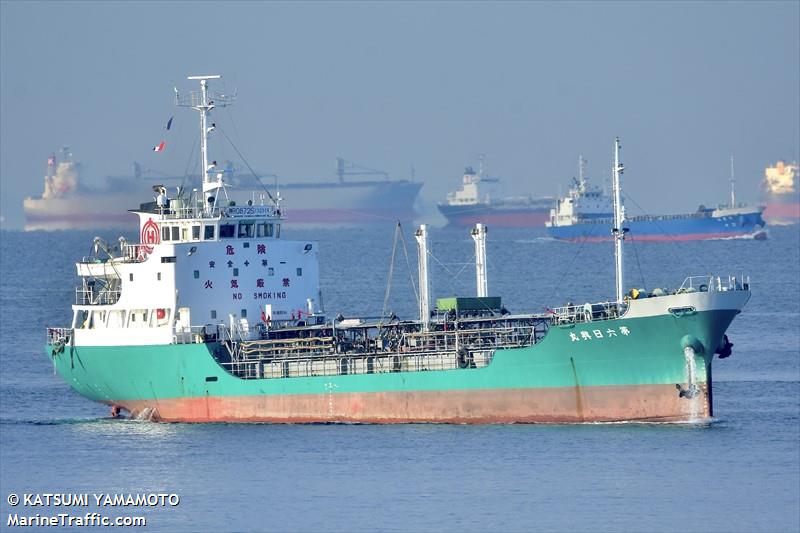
x=725, y=348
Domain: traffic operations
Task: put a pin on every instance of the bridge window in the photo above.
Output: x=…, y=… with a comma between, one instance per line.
x=165, y=233
x=184, y=234
x=176, y=236
x=277, y=231
x=245, y=230
x=227, y=231
x=195, y=233
x=213, y=314
x=208, y=233
x=265, y=229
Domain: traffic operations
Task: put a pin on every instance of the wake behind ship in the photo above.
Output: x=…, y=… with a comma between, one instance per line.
x=212, y=316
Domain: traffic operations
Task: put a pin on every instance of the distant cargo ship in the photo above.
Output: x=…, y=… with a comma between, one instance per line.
x=346, y=202
x=67, y=204
x=782, y=193
x=475, y=203
x=586, y=214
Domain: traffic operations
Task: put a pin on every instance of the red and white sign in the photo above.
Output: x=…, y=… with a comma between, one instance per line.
x=150, y=235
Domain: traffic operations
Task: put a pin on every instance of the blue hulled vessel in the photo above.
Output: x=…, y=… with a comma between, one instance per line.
x=586, y=213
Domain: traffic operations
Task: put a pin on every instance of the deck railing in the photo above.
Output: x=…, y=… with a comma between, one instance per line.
x=715, y=283
x=96, y=297
x=573, y=314
x=343, y=364
x=58, y=335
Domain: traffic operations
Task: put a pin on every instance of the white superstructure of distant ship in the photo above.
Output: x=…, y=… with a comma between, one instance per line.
x=782, y=193
x=66, y=203
x=477, y=201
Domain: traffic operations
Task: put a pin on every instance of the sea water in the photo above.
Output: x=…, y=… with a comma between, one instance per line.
x=741, y=472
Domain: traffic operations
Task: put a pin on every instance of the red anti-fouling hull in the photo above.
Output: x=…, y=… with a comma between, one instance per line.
x=544, y=405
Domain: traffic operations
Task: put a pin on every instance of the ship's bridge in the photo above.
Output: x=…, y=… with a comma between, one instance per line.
x=194, y=271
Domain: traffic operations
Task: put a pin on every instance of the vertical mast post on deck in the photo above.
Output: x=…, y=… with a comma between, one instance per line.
x=733, y=186
x=479, y=236
x=424, y=300
x=618, y=231
x=204, y=101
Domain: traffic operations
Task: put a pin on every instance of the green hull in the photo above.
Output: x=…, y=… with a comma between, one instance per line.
x=637, y=376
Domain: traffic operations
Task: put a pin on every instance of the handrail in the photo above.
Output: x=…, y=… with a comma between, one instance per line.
x=99, y=297
x=574, y=314
x=58, y=335
x=715, y=283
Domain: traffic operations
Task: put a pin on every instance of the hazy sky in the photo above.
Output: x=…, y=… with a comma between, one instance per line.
x=531, y=85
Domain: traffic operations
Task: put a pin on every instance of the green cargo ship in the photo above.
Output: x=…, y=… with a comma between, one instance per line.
x=213, y=317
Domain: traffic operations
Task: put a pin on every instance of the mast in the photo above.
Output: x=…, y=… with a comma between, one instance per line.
x=733, y=186
x=582, y=172
x=618, y=231
x=422, y=250
x=204, y=101
x=479, y=236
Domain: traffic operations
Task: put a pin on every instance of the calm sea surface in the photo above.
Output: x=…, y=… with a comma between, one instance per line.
x=738, y=473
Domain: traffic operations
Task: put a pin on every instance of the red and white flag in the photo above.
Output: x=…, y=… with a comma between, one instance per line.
x=159, y=147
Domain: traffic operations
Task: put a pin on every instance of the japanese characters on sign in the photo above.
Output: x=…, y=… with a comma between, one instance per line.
x=593, y=334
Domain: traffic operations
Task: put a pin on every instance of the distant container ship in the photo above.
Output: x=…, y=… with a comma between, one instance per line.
x=586, y=214
x=475, y=202
x=782, y=193
x=67, y=204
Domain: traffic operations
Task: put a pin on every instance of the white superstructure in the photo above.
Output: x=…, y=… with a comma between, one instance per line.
x=204, y=267
x=476, y=188
x=582, y=201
